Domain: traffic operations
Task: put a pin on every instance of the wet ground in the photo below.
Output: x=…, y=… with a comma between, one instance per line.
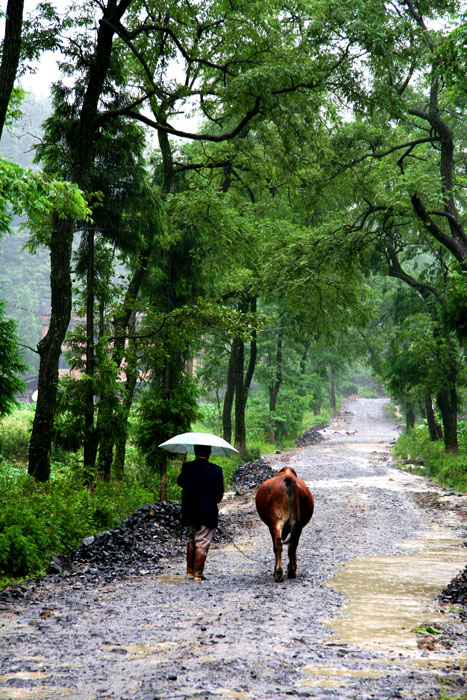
x=381, y=546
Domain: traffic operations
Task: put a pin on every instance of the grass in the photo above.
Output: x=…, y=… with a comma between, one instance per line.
x=14, y=434
x=38, y=520
x=447, y=469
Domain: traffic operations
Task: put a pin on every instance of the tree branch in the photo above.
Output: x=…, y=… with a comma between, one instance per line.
x=166, y=128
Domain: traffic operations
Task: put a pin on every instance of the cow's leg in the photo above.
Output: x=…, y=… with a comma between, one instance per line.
x=277, y=545
x=292, y=552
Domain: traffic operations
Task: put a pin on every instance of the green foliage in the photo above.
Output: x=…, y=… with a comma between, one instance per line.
x=310, y=419
x=428, y=629
x=69, y=419
x=11, y=364
x=14, y=434
x=448, y=469
x=38, y=521
x=36, y=196
x=288, y=417
x=210, y=415
x=162, y=415
x=14, y=107
x=25, y=282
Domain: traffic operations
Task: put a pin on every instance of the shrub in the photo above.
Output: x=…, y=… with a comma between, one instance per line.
x=447, y=469
x=14, y=434
x=40, y=520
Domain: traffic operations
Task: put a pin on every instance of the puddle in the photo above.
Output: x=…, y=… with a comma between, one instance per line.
x=142, y=651
x=24, y=675
x=334, y=676
x=172, y=578
x=35, y=693
x=389, y=596
x=379, y=447
x=394, y=479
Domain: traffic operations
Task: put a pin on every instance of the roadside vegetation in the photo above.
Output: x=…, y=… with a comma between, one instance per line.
x=419, y=454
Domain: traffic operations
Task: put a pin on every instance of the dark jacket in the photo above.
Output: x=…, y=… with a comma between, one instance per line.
x=203, y=488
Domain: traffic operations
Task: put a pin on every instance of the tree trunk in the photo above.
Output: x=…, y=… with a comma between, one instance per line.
x=410, y=418
x=60, y=248
x=238, y=351
x=90, y=442
x=332, y=392
x=242, y=388
x=50, y=348
x=276, y=384
x=228, y=398
x=447, y=404
x=10, y=55
x=108, y=422
x=434, y=429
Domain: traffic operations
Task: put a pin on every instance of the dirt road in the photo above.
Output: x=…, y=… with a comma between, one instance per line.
x=381, y=545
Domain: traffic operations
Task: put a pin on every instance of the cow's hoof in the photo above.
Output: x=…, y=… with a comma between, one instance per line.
x=278, y=576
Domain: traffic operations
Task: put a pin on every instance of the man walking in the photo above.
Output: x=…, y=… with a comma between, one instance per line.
x=202, y=483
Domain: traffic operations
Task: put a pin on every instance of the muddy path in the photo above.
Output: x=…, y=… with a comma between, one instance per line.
x=381, y=545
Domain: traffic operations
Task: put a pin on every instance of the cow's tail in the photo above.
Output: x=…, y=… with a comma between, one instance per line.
x=294, y=505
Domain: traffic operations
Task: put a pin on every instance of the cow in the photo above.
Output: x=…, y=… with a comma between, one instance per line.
x=285, y=504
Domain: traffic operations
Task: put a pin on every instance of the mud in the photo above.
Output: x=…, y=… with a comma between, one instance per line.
x=371, y=566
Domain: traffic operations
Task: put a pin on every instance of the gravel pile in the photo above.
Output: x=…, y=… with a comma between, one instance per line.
x=250, y=475
x=152, y=533
x=311, y=436
x=455, y=592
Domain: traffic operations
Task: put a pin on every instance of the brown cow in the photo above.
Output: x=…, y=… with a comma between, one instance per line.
x=285, y=504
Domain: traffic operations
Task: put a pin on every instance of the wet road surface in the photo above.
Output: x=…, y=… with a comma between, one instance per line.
x=370, y=565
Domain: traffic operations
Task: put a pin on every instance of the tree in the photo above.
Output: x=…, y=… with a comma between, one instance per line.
x=404, y=182
x=11, y=364
x=10, y=55
x=42, y=199
x=81, y=148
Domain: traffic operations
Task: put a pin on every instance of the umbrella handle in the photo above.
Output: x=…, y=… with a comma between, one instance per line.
x=184, y=458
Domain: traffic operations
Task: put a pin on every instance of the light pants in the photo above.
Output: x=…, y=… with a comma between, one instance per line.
x=201, y=536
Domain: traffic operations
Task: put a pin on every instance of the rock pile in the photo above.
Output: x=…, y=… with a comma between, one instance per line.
x=455, y=592
x=152, y=532
x=311, y=436
x=250, y=475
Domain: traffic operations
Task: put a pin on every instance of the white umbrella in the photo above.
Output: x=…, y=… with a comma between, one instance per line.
x=185, y=444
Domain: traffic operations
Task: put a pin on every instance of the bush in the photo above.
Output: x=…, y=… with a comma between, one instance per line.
x=211, y=418
x=15, y=431
x=447, y=469
x=310, y=419
x=38, y=521
x=288, y=417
